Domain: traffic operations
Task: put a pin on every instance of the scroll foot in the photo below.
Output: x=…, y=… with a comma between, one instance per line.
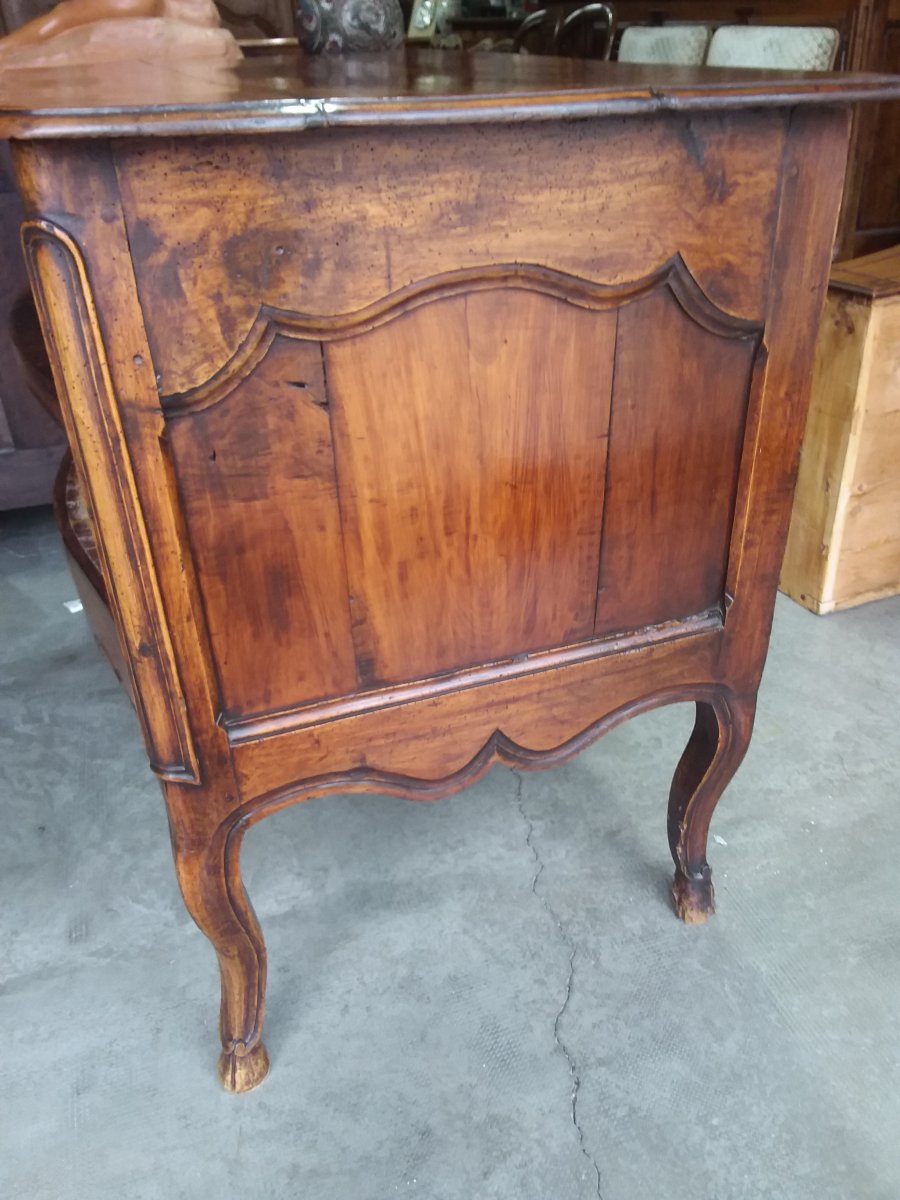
x=694, y=898
x=209, y=874
x=241, y=1070
x=717, y=745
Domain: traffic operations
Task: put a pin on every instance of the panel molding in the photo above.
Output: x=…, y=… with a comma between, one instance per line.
x=270, y=322
x=273, y=327
x=257, y=727
x=78, y=356
x=497, y=748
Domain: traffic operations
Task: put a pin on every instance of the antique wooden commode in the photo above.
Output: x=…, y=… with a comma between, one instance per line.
x=433, y=411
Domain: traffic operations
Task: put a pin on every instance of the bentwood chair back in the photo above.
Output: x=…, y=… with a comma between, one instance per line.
x=579, y=31
x=586, y=32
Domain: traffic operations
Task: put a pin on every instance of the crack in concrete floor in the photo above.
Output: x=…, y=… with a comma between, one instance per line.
x=573, y=951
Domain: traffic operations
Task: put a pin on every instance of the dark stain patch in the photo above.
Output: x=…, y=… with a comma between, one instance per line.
x=262, y=255
x=277, y=592
x=225, y=318
x=144, y=241
x=724, y=285
x=169, y=279
x=716, y=184
x=312, y=265
x=693, y=145
x=842, y=318
x=366, y=669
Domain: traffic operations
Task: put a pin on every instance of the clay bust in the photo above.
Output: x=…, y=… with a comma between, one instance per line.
x=98, y=31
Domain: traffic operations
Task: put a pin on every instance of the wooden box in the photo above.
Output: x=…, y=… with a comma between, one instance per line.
x=844, y=542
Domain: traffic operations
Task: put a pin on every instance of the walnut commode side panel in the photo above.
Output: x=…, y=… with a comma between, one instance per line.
x=427, y=446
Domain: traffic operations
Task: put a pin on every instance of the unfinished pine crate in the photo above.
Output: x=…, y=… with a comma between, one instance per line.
x=844, y=543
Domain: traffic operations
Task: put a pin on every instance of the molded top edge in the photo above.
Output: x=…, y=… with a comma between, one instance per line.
x=289, y=91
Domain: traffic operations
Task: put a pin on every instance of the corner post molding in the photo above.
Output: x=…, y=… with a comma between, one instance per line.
x=104, y=375
x=68, y=317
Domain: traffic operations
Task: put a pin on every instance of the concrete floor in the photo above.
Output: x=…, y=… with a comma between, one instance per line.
x=444, y=978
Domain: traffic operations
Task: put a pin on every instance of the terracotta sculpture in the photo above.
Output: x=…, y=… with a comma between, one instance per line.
x=99, y=31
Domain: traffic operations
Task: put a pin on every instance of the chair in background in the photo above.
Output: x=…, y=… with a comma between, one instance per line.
x=572, y=31
x=683, y=45
x=586, y=32
x=537, y=33
x=778, y=47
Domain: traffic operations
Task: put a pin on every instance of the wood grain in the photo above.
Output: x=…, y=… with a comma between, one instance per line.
x=472, y=469
x=412, y=86
x=541, y=712
x=844, y=548
x=878, y=217
x=869, y=41
x=814, y=159
x=675, y=446
x=491, y=201
x=80, y=367
x=256, y=475
x=869, y=562
x=829, y=448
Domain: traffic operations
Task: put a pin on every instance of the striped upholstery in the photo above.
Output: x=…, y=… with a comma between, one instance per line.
x=681, y=44
x=779, y=47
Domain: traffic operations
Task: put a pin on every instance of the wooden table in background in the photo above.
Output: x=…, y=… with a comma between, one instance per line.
x=434, y=411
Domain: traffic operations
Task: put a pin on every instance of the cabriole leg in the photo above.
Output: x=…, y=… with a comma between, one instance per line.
x=714, y=752
x=210, y=880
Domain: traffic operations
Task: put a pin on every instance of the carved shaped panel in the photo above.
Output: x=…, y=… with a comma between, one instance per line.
x=418, y=487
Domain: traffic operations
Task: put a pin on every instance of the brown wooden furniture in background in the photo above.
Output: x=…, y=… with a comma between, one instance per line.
x=32, y=443
x=844, y=543
x=373, y=510
x=870, y=41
